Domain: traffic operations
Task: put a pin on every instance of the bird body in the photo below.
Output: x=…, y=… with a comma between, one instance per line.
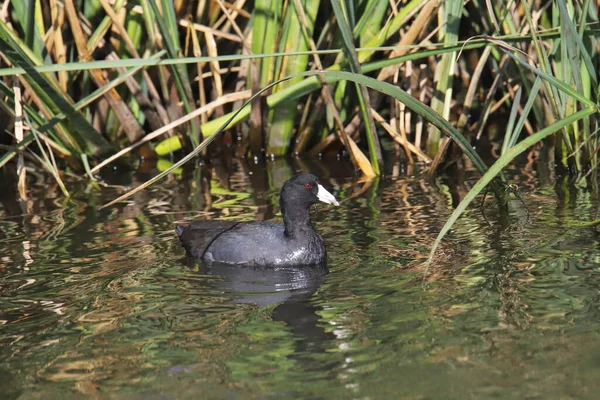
x=265, y=243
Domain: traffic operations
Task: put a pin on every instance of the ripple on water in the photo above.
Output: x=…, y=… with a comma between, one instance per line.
x=100, y=303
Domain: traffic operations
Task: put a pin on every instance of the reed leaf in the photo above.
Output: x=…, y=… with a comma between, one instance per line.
x=293, y=38
x=444, y=73
x=168, y=28
x=513, y=135
x=83, y=137
x=553, y=81
x=419, y=52
x=575, y=44
x=47, y=160
x=103, y=26
x=265, y=23
x=416, y=106
x=331, y=76
x=202, y=145
x=369, y=24
x=127, y=120
x=512, y=119
x=497, y=167
x=363, y=95
x=25, y=11
x=44, y=126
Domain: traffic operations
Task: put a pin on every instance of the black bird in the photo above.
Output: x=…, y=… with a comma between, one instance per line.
x=265, y=243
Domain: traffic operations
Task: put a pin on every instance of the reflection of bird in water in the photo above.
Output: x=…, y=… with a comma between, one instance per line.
x=301, y=316
x=264, y=286
x=291, y=287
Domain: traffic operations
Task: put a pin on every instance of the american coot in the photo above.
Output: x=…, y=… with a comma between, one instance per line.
x=264, y=243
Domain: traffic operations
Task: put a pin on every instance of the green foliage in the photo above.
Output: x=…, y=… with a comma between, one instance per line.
x=444, y=73
x=295, y=36
x=557, y=83
x=80, y=135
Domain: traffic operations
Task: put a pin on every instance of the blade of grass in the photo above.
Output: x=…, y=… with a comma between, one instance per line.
x=356, y=156
x=497, y=167
x=526, y=109
x=8, y=105
x=383, y=87
x=153, y=116
x=557, y=83
x=444, y=73
x=392, y=27
x=60, y=50
x=198, y=148
x=265, y=17
x=399, y=138
x=312, y=83
x=295, y=38
x=584, y=80
x=369, y=24
x=46, y=126
x=122, y=111
x=423, y=52
x=576, y=44
x=512, y=119
x=25, y=10
x=102, y=28
x=473, y=86
x=228, y=98
x=169, y=30
x=416, y=106
x=48, y=163
x=363, y=95
x=84, y=135
x=554, y=99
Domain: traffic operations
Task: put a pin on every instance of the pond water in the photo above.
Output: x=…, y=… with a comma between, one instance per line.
x=103, y=304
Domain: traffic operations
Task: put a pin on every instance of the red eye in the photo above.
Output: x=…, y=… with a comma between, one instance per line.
x=308, y=186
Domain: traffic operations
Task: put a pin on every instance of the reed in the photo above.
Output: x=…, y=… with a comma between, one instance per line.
x=149, y=65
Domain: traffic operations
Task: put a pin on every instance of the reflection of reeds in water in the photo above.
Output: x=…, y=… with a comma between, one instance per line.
x=532, y=67
x=106, y=307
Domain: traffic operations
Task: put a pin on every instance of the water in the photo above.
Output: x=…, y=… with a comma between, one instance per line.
x=102, y=304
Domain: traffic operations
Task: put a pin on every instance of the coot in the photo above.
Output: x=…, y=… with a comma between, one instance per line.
x=265, y=243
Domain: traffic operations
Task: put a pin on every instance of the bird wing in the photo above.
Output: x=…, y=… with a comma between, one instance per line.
x=197, y=236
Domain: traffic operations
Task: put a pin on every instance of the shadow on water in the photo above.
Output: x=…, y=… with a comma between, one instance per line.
x=99, y=303
x=266, y=286
x=288, y=289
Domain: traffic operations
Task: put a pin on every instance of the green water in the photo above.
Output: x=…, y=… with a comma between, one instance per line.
x=101, y=304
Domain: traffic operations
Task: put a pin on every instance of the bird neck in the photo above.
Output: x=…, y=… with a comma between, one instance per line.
x=297, y=221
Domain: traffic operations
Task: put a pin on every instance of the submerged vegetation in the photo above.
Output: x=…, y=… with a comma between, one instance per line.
x=299, y=77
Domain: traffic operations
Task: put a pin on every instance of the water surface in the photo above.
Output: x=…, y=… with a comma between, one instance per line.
x=103, y=304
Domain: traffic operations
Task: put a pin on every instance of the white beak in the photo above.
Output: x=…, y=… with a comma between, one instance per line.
x=326, y=197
